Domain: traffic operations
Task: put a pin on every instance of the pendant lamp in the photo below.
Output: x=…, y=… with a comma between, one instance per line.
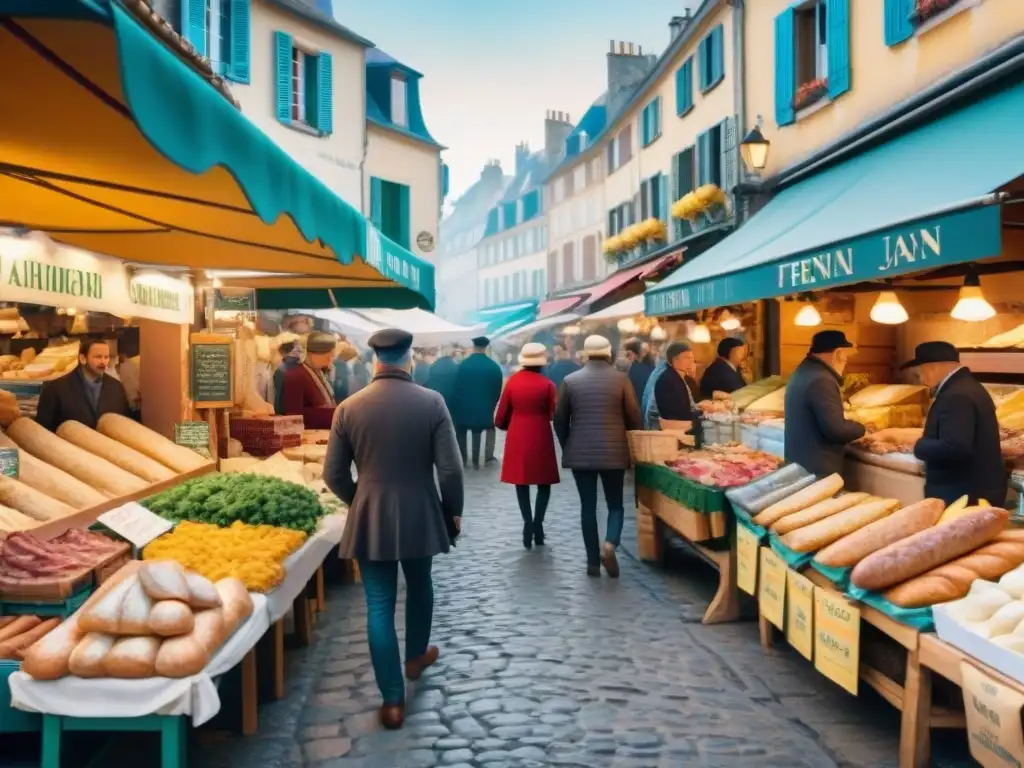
x=971, y=305
x=808, y=316
x=700, y=334
x=888, y=310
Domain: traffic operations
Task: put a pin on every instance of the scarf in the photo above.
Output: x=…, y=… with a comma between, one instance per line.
x=321, y=384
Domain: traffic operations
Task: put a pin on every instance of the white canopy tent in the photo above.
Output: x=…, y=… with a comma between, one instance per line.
x=537, y=325
x=427, y=329
x=625, y=308
x=349, y=323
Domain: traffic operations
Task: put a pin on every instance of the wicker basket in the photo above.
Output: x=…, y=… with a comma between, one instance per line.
x=657, y=447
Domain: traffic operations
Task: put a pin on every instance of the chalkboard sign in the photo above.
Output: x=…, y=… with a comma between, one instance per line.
x=211, y=372
x=236, y=302
x=194, y=435
x=9, y=462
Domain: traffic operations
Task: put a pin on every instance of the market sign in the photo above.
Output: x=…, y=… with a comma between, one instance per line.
x=925, y=244
x=393, y=261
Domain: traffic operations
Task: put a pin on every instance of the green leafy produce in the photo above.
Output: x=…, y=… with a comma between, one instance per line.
x=221, y=499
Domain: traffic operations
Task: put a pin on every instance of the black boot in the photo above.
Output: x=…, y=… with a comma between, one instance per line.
x=538, y=532
x=543, y=497
x=523, y=497
x=528, y=535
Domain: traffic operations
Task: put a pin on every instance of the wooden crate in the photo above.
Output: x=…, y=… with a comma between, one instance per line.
x=688, y=522
x=657, y=447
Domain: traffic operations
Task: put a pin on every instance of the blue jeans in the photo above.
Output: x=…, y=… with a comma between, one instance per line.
x=380, y=583
x=586, y=483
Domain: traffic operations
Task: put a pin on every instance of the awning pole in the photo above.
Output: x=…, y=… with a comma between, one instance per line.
x=334, y=299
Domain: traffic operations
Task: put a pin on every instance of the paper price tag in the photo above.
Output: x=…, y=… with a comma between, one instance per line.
x=800, y=613
x=746, y=559
x=993, y=719
x=772, y=594
x=837, y=639
x=9, y=462
x=135, y=523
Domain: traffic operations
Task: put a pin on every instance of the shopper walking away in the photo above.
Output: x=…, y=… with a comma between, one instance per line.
x=443, y=373
x=477, y=389
x=596, y=407
x=641, y=366
x=396, y=433
x=561, y=366
x=525, y=410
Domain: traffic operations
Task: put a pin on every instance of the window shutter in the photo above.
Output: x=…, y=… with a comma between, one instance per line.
x=376, y=202
x=325, y=93
x=703, y=158
x=645, y=199
x=898, y=27
x=404, y=216
x=663, y=197
x=684, y=87
x=717, y=54
x=193, y=24
x=785, y=68
x=283, y=76
x=838, y=47
x=644, y=123
x=702, y=61
x=656, y=108
x=730, y=172
x=238, y=65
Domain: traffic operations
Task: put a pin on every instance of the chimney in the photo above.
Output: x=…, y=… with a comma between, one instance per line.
x=627, y=68
x=675, y=26
x=522, y=157
x=492, y=174
x=557, y=127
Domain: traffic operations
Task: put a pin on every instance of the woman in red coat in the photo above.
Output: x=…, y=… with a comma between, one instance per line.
x=525, y=410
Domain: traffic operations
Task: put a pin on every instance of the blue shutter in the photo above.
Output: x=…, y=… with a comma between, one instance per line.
x=283, y=76
x=838, y=47
x=702, y=61
x=325, y=93
x=376, y=202
x=898, y=26
x=404, y=216
x=656, y=119
x=785, y=68
x=717, y=54
x=704, y=158
x=193, y=24
x=643, y=127
x=663, y=193
x=238, y=58
x=445, y=180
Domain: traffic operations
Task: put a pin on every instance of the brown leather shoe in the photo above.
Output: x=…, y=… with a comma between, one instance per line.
x=414, y=668
x=610, y=561
x=392, y=716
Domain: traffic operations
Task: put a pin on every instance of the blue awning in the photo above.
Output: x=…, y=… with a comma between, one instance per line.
x=920, y=201
x=506, y=316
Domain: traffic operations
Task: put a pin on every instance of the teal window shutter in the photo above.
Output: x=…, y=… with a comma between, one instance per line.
x=404, y=215
x=656, y=107
x=643, y=127
x=445, y=180
x=283, y=76
x=325, y=93
x=717, y=54
x=376, y=202
x=704, y=158
x=838, y=12
x=238, y=64
x=684, y=87
x=702, y=60
x=785, y=68
x=898, y=26
x=193, y=24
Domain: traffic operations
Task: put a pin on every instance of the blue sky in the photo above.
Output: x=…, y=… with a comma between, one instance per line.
x=492, y=68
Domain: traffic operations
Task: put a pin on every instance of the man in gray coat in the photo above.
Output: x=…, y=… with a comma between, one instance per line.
x=396, y=433
x=596, y=406
x=817, y=431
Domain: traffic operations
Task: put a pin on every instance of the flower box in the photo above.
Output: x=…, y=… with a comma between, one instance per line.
x=810, y=92
x=926, y=9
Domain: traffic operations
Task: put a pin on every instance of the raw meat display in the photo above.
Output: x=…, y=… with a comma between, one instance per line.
x=724, y=467
x=27, y=561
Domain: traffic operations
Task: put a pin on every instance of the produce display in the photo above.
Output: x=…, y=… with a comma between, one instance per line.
x=33, y=566
x=149, y=619
x=252, y=554
x=221, y=499
x=724, y=466
x=18, y=633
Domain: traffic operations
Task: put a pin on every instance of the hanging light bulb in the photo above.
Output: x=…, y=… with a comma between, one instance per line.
x=887, y=309
x=808, y=316
x=628, y=325
x=700, y=334
x=729, y=321
x=971, y=305
x=658, y=333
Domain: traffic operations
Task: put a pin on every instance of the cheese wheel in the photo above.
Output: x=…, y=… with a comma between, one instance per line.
x=819, y=511
x=146, y=441
x=802, y=499
x=55, y=483
x=98, y=472
x=31, y=502
x=116, y=453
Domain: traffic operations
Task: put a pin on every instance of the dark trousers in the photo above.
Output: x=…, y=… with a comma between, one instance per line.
x=612, y=480
x=531, y=516
x=460, y=436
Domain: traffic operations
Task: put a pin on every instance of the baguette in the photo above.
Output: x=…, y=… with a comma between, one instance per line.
x=802, y=499
x=116, y=453
x=18, y=626
x=132, y=658
x=170, y=618
x=237, y=602
x=30, y=502
x=49, y=658
x=187, y=655
x=772, y=497
x=930, y=548
x=54, y=482
x=13, y=647
x=817, y=535
x=150, y=443
x=164, y=580
x=12, y=520
x=87, y=658
x=820, y=511
x=851, y=549
x=953, y=580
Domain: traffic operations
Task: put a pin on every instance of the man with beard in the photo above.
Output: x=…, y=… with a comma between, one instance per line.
x=86, y=393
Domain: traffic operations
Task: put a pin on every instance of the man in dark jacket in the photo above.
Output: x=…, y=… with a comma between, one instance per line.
x=477, y=391
x=723, y=375
x=674, y=394
x=960, y=446
x=421, y=368
x=291, y=357
x=396, y=433
x=86, y=393
x=443, y=373
x=641, y=366
x=817, y=431
x=596, y=407
x=561, y=366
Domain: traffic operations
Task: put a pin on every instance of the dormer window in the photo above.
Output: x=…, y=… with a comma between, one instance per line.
x=399, y=101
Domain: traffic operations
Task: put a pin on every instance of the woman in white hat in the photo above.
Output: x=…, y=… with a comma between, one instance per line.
x=525, y=410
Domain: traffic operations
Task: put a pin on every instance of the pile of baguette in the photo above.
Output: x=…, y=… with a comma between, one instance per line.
x=150, y=619
x=917, y=556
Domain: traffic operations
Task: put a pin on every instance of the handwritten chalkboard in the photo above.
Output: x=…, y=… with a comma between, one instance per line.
x=237, y=302
x=211, y=371
x=194, y=435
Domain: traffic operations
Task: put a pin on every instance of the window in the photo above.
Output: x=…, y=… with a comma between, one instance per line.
x=218, y=34
x=612, y=155
x=625, y=142
x=811, y=43
x=684, y=180
x=302, y=106
x=304, y=90
x=650, y=122
x=711, y=54
x=399, y=101
x=580, y=177
x=559, y=189
x=506, y=290
x=904, y=18
x=709, y=157
x=620, y=217
x=812, y=55
x=389, y=209
x=651, y=192
x=684, y=87
x=552, y=270
x=219, y=30
x=568, y=263
x=589, y=258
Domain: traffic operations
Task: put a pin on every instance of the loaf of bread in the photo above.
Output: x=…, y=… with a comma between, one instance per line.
x=49, y=658
x=30, y=502
x=116, y=453
x=14, y=647
x=819, y=511
x=54, y=482
x=12, y=520
x=187, y=655
x=851, y=549
x=802, y=499
x=164, y=580
x=170, y=618
x=87, y=658
x=236, y=602
x=201, y=592
x=132, y=658
x=953, y=580
x=152, y=444
x=928, y=549
x=817, y=535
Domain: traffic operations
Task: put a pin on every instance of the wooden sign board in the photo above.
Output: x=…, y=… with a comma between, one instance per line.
x=211, y=375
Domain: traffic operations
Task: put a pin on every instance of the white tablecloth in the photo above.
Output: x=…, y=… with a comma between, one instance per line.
x=106, y=697
x=301, y=564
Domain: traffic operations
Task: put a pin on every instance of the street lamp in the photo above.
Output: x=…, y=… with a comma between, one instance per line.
x=754, y=149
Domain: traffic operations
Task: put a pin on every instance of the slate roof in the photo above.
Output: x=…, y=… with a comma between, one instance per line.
x=310, y=10
x=531, y=175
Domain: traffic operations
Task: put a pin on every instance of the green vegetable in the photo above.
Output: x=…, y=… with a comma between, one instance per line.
x=221, y=499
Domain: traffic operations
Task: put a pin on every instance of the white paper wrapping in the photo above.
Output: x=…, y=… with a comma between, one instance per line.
x=301, y=564
x=107, y=697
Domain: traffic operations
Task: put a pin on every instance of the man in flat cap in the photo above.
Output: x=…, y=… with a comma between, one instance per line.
x=477, y=391
x=960, y=445
x=396, y=433
x=308, y=390
x=817, y=430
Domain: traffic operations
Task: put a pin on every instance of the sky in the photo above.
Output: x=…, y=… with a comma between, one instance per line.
x=493, y=68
